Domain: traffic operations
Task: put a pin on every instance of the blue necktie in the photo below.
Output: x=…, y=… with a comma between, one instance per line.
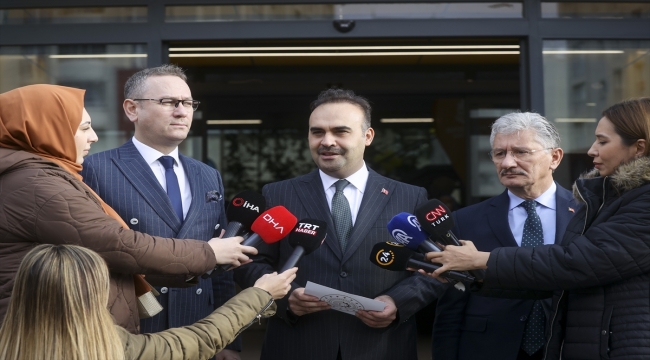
x=533, y=236
x=173, y=190
x=341, y=214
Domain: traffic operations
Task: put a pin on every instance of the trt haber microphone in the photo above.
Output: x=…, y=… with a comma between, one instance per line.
x=271, y=226
x=396, y=257
x=436, y=219
x=406, y=230
x=305, y=238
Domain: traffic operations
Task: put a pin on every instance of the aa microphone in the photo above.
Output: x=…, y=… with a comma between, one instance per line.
x=396, y=257
x=244, y=208
x=271, y=226
x=406, y=230
x=305, y=238
x=436, y=219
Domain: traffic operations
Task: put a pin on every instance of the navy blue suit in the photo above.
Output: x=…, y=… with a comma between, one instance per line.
x=470, y=326
x=320, y=335
x=123, y=179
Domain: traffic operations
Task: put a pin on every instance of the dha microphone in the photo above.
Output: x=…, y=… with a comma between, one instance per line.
x=273, y=225
x=406, y=230
x=436, y=220
x=396, y=257
x=244, y=208
x=305, y=238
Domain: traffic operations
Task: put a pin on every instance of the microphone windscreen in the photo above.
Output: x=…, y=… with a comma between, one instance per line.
x=390, y=256
x=308, y=233
x=435, y=217
x=406, y=230
x=245, y=207
x=274, y=224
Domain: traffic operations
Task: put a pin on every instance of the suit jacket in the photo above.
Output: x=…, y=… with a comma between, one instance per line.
x=320, y=335
x=470, y=326
x=123, y=179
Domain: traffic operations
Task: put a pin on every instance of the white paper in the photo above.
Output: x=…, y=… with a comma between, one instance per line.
x=342, y=301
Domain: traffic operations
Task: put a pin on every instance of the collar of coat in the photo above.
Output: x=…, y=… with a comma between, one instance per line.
x=628, y=176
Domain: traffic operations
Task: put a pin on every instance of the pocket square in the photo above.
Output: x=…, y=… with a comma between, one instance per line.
x=213, y=195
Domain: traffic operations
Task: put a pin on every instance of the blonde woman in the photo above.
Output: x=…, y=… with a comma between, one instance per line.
x=58, y=311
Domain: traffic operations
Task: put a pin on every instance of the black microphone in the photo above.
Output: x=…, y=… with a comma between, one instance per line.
x=305, y=238
x=396, y=257
x=436, y=219
x=244, y=208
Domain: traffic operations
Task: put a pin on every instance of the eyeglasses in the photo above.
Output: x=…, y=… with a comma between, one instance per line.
x=168, y=103
x=521, y=155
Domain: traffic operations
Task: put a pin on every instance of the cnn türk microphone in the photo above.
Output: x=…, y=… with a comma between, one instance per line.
x=396, y=257
x=244, y=208
x=305, y=238
x=406, y=230
x=273, y=225
x=436, y=219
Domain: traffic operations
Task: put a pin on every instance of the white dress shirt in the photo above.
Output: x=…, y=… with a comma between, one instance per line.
x=353, y=192
x=545, y=207
x=151, y=157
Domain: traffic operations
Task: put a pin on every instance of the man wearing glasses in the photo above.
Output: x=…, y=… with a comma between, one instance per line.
x=158, y=191
x=533, y=211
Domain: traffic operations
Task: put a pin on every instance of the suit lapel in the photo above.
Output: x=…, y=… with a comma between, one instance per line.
x=372, y=204
x=312, y=196
x=498, y=219
x=193, y=176
x=564, y=202
x=139, y=174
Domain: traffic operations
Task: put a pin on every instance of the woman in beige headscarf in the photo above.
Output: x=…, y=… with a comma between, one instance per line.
x=44, y=134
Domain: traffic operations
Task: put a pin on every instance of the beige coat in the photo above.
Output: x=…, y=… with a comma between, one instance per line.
x=204, y=338
x=40, y=203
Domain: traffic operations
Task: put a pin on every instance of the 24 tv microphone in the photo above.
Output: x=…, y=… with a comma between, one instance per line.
x=396, y=257
x=436, y=219
x=305, y=238
x=406, y=230
x=271, y=226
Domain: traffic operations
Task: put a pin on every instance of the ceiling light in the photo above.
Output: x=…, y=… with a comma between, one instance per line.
x=234, y=122
x=572, y=52
x=336, y=48
x=407, y=120
x=414, y=53
x=93, y=56
x=575, y=120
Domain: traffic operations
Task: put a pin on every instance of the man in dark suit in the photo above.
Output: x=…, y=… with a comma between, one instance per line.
x=356, y=203
x=158, y=191
x=525, y=150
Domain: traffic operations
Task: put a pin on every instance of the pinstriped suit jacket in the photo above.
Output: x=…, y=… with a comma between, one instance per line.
x=319, y=335
x=123, y=179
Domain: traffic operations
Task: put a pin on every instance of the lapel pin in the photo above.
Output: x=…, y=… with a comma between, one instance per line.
x=384, y=191
x=571, y=210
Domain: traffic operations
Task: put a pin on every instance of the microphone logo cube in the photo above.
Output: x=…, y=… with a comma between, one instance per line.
x=401, y=236
x=385, y=257
x=306, y=228
x=437, y=215
x=243, y=203
x=276, y=225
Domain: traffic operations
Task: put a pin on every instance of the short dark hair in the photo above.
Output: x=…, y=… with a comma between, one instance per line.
x=631, y=120
x=135, y=84
x=332, y=96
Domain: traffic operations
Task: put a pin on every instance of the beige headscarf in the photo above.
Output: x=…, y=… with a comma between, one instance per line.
x=43, y=119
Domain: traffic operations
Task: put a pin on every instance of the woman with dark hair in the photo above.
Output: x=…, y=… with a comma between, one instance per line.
x=45, y=132
x=58, y=312
x=601, y=270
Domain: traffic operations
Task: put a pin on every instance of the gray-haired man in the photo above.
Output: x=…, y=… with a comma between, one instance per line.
x=533, y=211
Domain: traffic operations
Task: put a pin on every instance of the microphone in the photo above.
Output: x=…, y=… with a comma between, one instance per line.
x=244, y=208
x=396, y=257
x=436, y=220
x=305, y=238
x=406, y=230
x=273, y=225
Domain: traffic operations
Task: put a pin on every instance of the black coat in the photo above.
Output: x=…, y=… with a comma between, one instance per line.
x=602, y=266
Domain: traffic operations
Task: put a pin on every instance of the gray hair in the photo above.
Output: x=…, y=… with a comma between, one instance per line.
x=134, y=86
x=546, y=133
